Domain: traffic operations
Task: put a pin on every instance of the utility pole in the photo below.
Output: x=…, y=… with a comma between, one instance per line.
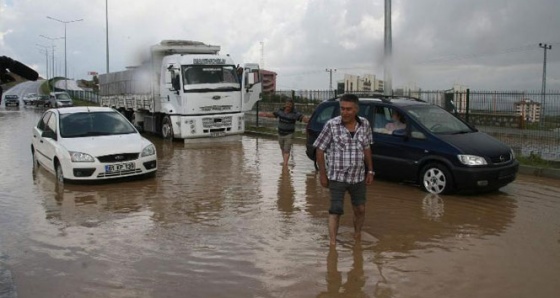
x=262, y=55
x=388, y=77
x=545, y=47
x=330, y=71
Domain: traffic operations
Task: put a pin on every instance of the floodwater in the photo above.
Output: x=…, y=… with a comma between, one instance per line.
x=224, y=220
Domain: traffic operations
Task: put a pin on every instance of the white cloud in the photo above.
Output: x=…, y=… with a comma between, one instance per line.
x=436, y=43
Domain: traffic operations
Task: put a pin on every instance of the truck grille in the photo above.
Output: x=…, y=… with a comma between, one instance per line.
x=216, y=122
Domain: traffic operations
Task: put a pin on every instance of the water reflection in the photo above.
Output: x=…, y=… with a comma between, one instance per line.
x=286, y=191
x=433, y=206
x=355, y=281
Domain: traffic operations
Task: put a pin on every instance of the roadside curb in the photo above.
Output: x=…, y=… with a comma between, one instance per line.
x=523, y=169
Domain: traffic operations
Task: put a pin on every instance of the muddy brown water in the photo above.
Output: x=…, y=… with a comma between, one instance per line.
x=224, y=220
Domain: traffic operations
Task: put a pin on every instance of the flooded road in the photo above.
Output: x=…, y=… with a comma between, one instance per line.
x=224, y=220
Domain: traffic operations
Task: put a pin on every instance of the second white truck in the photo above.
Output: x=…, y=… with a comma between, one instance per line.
x=186, y=90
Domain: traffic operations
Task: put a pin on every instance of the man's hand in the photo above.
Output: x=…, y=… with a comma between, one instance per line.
x=369, y=178
x=324, y=180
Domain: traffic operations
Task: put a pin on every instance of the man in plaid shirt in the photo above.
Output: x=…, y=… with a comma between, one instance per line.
x=346, y=139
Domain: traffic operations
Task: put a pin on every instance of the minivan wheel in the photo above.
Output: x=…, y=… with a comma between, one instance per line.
x=436, y=178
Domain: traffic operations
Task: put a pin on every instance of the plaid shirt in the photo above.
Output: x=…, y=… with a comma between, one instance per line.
x=345, y=154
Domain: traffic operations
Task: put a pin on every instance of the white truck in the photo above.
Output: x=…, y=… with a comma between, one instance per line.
x=185, y=90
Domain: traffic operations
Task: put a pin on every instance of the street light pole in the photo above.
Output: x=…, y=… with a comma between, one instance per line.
x=46, y=58
x=65, y=39
x=545, y=47
x=107, y=31
x=52, y=52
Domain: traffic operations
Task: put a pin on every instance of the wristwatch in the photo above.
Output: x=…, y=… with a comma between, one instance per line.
x=371, y=172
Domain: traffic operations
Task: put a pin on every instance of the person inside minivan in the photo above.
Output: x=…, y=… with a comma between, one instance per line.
x=398, y=122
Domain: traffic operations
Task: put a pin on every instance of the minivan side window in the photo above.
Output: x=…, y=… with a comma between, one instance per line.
x=415, y=133
x=325, y=115
x=388, y=119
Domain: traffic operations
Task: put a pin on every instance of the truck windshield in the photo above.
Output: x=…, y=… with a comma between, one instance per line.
x=225, y=75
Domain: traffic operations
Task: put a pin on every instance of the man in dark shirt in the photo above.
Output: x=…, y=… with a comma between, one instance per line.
x=287, y=118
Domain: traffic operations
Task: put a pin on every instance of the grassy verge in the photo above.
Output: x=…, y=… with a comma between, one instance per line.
x=534, y=160
x=84, y=103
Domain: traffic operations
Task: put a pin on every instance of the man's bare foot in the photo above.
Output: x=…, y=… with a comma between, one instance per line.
x=332, y=243
x=358, y=237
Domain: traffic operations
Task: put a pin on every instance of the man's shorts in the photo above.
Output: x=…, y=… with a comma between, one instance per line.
x=357, y=193
x=286, y=142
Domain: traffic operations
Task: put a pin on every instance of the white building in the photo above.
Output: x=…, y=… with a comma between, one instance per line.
x=529, y=110
x=363, y=83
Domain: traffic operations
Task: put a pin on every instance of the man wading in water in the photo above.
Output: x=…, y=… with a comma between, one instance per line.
x=287, y=118
x=347, y=140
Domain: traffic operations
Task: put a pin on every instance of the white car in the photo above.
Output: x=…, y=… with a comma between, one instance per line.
x=91, y=143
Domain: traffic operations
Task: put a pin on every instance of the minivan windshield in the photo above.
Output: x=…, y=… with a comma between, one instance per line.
x=79, y=125
x=438, y=120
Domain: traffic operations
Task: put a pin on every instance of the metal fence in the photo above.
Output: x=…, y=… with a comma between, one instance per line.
x=527, y=121
x=84, y=95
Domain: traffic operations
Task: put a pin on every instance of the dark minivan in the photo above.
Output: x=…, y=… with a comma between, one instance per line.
x=435, y=148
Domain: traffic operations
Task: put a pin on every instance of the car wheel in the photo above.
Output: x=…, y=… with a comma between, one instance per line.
x=166, y=128
x=59, y=173
x=436, y=178
x=34, y=156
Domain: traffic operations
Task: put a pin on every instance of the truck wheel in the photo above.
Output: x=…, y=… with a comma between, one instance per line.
x=436, y=178
x=166, y=128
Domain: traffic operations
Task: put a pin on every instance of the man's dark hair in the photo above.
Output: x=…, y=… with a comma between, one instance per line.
x=350, y=98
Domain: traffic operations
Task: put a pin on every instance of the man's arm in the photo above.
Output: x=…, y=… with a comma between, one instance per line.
x=369, y=165
x=320, y=157
x=267, y=114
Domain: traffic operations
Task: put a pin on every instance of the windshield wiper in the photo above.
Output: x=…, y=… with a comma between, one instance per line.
x=462, y=132
x=90, y=134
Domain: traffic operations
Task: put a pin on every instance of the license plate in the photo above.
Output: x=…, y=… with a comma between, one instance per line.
x=119, y=167
x=217, y=134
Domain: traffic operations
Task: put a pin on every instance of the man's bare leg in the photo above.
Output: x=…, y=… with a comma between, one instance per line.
x=286, y=156
x=359, y=217
x=334, y=220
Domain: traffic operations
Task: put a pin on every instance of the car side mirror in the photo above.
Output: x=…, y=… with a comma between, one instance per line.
x=49, y=134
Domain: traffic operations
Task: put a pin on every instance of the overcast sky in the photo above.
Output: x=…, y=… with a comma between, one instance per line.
x=480, y=44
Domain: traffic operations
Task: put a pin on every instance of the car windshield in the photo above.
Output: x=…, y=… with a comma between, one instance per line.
x=438, y=120
x=94, y=124
x=63, y=96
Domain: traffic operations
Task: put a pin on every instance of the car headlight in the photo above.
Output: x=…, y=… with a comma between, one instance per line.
x=149, y=150
x=471, y=160
x=81, y=157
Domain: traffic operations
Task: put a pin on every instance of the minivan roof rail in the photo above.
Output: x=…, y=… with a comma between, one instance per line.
x=382, y=97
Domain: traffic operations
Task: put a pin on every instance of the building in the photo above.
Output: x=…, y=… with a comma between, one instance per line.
x=528, y=109
x=356, y=83
x=268, y=81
